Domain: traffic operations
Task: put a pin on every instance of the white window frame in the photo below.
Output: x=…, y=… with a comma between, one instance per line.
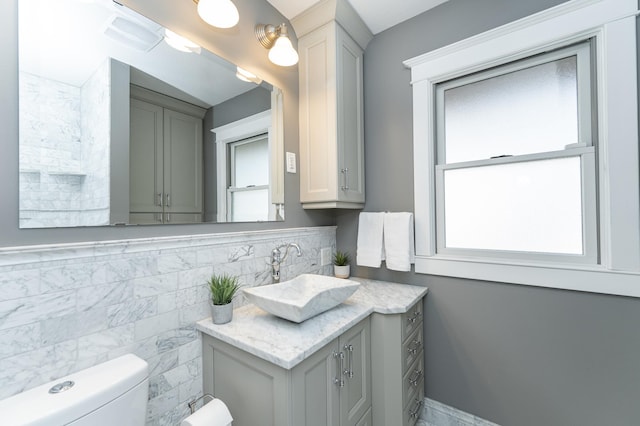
x=612, y=26
x=583, y=149
x=232, y=185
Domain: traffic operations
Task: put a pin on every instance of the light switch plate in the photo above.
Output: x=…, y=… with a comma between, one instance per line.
x=291, y=162
x=325, y=256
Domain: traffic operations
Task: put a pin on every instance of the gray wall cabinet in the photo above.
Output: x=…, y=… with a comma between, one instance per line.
x=166, y=159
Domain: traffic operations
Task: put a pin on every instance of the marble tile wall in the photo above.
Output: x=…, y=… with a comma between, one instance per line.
x=64, y=151
x=67, y=307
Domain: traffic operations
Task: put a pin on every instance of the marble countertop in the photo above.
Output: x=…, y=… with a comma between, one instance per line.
x=286, y=343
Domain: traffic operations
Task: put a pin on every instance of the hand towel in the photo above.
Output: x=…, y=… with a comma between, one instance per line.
x=369, y=248
x=398, y=241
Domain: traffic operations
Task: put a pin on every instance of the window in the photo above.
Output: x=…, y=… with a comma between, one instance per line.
x=526, y=160
x=248, y=192
x=515, y=172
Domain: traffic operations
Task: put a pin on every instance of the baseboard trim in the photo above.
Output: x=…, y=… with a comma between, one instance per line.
x=435, y=413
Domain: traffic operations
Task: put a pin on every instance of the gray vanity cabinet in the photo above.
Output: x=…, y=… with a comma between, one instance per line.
x=330, y=387
x=397, y=358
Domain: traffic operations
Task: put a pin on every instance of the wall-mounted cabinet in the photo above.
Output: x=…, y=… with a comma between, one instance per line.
x=331, y=42
x=165, y=160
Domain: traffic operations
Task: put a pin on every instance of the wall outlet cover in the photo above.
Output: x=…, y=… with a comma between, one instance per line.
x=325, y=256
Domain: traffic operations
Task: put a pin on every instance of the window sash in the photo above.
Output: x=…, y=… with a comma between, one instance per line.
x=585, y=80
x=588, y=210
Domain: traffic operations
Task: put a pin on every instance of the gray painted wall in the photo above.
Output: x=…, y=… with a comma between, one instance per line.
x=238, y=45
x=512, y=354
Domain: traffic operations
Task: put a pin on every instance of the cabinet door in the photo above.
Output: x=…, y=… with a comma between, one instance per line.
x=355, y=396
x=183, y=162
x=146, y=157
x=315, y=397
x=350, y=119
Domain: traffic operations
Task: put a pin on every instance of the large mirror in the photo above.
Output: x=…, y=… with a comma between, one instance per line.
x=125, y=122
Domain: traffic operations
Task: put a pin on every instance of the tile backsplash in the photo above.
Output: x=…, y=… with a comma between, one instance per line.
x=67, y=307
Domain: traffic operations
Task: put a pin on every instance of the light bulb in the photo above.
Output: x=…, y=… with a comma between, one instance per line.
x=282, y=53
x=218, y=13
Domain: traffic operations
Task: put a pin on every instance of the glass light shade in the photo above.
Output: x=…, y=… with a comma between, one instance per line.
x=180, y=43
x=218, y=13
x=282, y=53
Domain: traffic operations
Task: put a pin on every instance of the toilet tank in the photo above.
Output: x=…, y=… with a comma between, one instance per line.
x=111, y=393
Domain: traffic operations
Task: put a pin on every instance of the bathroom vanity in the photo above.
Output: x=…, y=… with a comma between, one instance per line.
x=359, y=363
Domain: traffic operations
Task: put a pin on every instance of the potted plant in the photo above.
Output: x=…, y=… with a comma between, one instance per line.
x=341, y=268
x=223, y=288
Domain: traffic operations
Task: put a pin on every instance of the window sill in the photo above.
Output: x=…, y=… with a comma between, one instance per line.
x=593, y=279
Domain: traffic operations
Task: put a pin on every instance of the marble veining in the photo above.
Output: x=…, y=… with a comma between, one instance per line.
x=286, y=344
x=67, y=307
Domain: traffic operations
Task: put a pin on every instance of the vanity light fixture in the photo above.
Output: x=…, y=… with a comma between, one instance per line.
x=276, y=39
x=180, y=43
x=218, y=13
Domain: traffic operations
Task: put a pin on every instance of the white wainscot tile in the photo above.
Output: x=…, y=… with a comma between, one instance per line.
x=72, y=276
x=20, y=339
x=39, y=366
x=177, y=262
x=194, y=313
x=163, y=403
x=240, y=253
x=156, y=325
x=31, y=309
x=234, y=268
x=192, y=296
x=131, y=267
x=173, y=417
x=191, y=390
x=163, y=362
x=132, y=310
x=71, y=326
x=167, y=302
x=105, y=341
x=19, y=283
x=155, y=285
x=103, y=295
x=189, y=351
x=194, y=277
x=174, y=339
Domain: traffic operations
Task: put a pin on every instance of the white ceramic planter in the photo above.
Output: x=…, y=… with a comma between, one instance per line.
x=342, y=271
x=221, y=314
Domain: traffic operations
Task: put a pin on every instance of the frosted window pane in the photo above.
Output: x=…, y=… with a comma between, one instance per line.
x=526, y=111
x=250, y=206
x=532, y=206
x=252, y=163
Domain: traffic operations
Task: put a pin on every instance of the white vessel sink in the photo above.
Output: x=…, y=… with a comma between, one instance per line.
x=301, y=298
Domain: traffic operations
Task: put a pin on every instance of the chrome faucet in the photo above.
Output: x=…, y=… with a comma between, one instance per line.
x=277, y=258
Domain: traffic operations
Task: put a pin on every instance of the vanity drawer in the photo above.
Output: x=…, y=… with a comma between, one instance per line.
x=413, y=379
x=411, y=320
x=412, y=349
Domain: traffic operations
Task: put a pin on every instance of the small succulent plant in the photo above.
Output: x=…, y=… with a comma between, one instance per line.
x=341, y=258
x=223, y=288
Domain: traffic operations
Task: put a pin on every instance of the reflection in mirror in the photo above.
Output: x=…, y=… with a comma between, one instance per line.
x=125, y=122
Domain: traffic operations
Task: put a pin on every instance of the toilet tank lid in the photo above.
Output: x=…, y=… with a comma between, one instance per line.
x=93, y=388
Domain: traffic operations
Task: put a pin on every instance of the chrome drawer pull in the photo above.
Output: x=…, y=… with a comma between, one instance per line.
x=345, y=173
x=349, y=371
x=416, y=315
x=413, y=380
x=339, y=357
x=415, y=413
x=414, y=347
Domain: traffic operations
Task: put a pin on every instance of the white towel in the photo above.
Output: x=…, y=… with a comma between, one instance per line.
x=398, y=241
x=369, y=249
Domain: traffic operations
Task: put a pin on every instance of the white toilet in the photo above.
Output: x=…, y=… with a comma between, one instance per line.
x=112, y=393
